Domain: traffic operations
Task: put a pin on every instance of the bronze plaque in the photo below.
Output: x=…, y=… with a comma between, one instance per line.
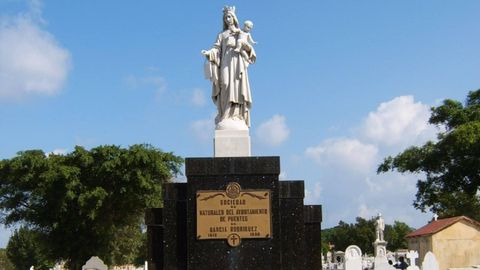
x=233, y=214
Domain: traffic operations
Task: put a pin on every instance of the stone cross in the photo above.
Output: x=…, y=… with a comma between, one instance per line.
x=412, y=255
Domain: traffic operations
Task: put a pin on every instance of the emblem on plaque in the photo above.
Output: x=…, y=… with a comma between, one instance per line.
x=234, y=240
x=233, y=190
x=233, y=214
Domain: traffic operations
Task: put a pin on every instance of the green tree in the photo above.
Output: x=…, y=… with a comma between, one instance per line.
x=450, y=167
x=362, y=233
x=395, y=235
x=341, y=235
x=127, y=244
x=86, y=202
x=26, y=248
x=141, y=255
x=365, y=234
x=5, y=263
x=327, y=235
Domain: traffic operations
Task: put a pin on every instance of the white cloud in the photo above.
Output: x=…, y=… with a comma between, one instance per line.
x=203, y=129
x=59, y=151
x=308, y=195
x=274, y=131
x=31, y=60
x=349, y=184
x=317, y=191
x=313, y=193
x=400, y=121
x=198, y=97
x=348, y=154
x=373, y=186
x=158, y=83
x=365, y=212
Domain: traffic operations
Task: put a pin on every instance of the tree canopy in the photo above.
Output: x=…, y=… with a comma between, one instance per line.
x=26, y=248
x=87, y=202
x=5, y=263
x=450, y=166
x=362, y=234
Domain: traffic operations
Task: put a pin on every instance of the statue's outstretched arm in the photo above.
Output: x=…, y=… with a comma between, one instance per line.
x=250, y=39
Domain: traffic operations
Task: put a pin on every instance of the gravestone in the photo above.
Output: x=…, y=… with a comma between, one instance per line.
x=430, y=262
x=339, y=257
x=381, y=264
x=412, y=255
x=329, y=256
x=94, y=263
x=353, y=258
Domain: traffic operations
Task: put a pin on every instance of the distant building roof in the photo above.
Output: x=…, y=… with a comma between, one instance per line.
x=438, y=225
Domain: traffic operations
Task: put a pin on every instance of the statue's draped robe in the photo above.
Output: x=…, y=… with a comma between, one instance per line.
x=228, y=72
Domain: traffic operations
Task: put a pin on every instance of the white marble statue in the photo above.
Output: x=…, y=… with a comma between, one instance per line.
x=227, y=68
x=379, y=227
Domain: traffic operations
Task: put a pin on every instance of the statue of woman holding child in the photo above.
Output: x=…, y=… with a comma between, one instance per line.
x=226, y=67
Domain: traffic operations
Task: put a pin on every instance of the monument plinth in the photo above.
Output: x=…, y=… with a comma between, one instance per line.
x=231, y=143
x=246, y=230
x=234, y=213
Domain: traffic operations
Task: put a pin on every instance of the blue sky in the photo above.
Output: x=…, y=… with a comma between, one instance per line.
x=337, y=85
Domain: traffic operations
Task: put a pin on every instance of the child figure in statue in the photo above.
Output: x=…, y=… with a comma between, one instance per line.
x=245, y=40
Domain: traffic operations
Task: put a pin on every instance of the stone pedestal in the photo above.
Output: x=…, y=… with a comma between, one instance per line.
x=292, y=241
x=215, y=174
x=231, y=143
x=380, y=248
x=380, y=252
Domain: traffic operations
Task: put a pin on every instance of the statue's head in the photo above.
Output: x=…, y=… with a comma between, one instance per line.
x=229, y=17
x=247, y=26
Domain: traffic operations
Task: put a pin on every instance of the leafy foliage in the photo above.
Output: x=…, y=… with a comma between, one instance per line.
x=25, y=248
x=362, y=234
x=395, y=235
x=451, y=166
x=86, y=202
x=5, y=263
